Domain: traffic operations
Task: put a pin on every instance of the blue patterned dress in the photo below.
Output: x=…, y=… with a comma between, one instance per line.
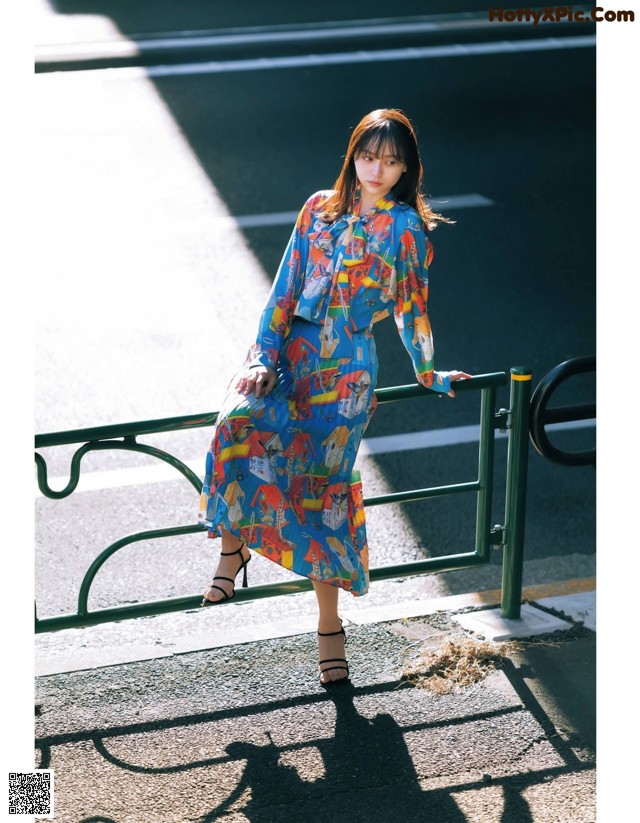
x=280, y=470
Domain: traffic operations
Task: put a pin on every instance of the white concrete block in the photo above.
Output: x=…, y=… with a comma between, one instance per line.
x=492, y=626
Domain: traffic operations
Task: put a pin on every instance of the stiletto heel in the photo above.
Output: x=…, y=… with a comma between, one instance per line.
x=242, y=568
x=334, y=660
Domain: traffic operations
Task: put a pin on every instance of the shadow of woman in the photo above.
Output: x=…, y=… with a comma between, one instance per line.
x=271, y=782
x=369, y=759
x=369, y=775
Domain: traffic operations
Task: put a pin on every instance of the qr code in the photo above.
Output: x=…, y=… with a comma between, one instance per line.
x=31, y=793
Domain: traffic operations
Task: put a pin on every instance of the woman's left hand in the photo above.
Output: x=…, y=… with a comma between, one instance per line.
x=453, y=376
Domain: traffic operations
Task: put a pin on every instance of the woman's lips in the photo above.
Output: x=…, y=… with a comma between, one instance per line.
x=373, y=183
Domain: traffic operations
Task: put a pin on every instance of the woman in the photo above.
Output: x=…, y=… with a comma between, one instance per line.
x=279, y=474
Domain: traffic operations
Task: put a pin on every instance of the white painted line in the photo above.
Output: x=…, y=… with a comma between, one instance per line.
x=281, y=218
x=420, y=440
x=220, y=224
x=162, y=472
x=120, y=46
x=125, y=47
x=135, y=476
x=338, y=32
x=460, y=201
x=442, y=437
x=343, y=58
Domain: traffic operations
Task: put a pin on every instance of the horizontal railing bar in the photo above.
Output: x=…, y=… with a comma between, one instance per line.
x=154, y=607
x=565, y=414
x=188, y=421
x=477, y=382
x=422, y=494
x=93, y=618
x=191, y=421
x=431, y=564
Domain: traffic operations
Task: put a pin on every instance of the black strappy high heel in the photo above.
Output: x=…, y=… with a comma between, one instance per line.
x=242, y=567
x=334, y=660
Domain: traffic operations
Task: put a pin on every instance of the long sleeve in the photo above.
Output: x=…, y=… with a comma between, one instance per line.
x=277, y=315
x=414, y=255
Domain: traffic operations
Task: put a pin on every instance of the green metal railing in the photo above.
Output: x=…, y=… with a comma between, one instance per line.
x=510, y=536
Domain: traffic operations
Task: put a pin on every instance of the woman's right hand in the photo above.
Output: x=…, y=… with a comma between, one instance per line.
x=260, y=379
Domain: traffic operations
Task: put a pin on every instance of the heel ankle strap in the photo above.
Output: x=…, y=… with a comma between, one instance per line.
x=331, y=634
x=228, y=554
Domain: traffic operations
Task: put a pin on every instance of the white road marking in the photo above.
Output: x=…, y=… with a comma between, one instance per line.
x=281, y=218
x=442, y=437
x=143, y=475
x=136, y=476
x=342, y=58
x=119, y=46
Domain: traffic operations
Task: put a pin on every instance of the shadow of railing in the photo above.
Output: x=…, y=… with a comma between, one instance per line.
x=366, y=759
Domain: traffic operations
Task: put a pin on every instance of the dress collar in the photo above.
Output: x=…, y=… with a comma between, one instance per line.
x=382, y=204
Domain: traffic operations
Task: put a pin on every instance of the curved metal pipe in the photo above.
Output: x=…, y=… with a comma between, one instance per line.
x=541, y=416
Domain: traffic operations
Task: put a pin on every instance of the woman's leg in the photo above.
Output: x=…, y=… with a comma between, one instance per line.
x=328, y=621
x=228, y=565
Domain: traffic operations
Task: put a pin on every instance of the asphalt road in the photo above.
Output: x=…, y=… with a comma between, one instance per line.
x=147, y=300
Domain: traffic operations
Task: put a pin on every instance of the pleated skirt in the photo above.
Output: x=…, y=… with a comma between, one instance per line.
x=280, y=473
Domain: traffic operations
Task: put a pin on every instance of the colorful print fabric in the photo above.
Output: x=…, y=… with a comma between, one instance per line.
x=280, y=471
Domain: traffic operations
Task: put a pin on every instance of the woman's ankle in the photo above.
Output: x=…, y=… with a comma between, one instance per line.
x=230, y=543
x=329, y=623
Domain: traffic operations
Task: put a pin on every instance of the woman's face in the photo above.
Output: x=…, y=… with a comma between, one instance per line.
x=378, y=173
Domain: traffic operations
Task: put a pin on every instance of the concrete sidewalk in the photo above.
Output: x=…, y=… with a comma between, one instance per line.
x=245, y=732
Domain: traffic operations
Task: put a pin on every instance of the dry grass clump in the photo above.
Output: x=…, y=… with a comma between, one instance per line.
x=456, y=664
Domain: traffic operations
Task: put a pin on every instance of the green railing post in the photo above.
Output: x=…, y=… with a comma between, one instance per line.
x=516, y=492
x=486, y=451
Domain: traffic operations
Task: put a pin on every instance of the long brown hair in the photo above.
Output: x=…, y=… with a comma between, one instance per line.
x=383, y=129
